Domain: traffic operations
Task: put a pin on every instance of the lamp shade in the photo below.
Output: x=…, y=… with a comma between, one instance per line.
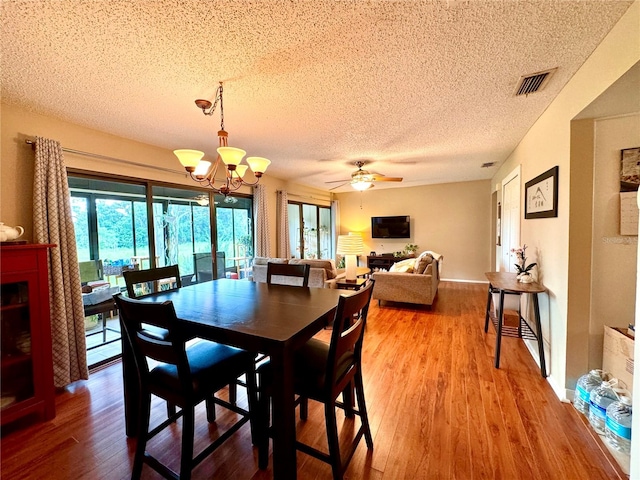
x=189, y=158
x=258, y=164
x=351, y=244
x=231, y=155
x=241, y=170
x=202, y=169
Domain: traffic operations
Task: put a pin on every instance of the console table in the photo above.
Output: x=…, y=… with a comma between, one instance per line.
x=507, y=283
x=384, y=261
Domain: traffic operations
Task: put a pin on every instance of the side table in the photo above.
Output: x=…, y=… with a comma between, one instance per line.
x=360, y=271
x=351, y=284
x=507, y=283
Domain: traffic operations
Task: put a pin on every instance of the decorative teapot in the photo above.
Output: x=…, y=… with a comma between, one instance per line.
x=10, y=233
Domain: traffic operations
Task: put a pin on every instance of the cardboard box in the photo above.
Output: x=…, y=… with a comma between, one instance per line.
x=617, y=356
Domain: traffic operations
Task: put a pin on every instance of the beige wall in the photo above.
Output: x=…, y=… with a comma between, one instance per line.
x=548, y=144
x=452, y=219
x=613, y=287
x=16, y=165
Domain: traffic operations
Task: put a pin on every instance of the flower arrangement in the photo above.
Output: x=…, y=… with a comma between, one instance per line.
x=521, y=266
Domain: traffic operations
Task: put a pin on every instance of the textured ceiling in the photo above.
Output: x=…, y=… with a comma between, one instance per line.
x=420, y=89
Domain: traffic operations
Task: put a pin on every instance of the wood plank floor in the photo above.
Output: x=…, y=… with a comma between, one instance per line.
x=438, y=410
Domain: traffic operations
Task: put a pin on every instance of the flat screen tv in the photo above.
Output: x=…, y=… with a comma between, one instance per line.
x=391, y=227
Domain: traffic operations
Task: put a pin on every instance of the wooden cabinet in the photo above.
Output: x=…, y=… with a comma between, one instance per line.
x=26, y=375
x=383, y=261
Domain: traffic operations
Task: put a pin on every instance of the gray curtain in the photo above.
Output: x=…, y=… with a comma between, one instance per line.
x=282, y=220
x=52, y=223
x=263, y=245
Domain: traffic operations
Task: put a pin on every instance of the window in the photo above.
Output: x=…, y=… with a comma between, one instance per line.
x=234, y=230
x=181, y=228
x=110, y=221
x=309, y=230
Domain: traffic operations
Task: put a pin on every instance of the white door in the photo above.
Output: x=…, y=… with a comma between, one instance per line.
x=510, y=220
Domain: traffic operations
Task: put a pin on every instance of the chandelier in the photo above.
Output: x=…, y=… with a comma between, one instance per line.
x=204, y=173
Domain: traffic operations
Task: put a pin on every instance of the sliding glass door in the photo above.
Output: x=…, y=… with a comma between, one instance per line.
x=111, y=224
x=234, y=231
x=181, y=230
x=125, y=225
x=309, y=231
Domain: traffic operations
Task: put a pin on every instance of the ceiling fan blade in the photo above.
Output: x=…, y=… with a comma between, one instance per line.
x=338, y=181
x=338, y=186
x=379, y=178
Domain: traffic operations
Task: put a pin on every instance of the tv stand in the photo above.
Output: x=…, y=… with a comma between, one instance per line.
x=377, y=262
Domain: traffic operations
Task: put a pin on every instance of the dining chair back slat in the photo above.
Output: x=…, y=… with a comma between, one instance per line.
x=141, y=283
x=288, y=270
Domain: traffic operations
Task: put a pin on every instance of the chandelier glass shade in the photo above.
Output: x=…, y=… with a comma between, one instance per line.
x=228, y=158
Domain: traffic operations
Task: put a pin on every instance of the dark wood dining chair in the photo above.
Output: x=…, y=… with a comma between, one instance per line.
x=288, y=270
x=322, y=372
x=275, y=274
x=185, y=377
x=141, y=283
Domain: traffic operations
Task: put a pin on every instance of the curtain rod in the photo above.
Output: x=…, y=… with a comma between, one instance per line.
x=304, y=196
x=112, y=159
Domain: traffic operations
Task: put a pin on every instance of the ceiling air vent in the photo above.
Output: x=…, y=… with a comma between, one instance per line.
x=534, y=82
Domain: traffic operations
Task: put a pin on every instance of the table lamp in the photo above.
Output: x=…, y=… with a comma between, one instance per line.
x=350, y=246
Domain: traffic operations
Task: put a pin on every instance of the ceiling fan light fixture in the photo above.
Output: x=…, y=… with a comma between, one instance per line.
x=363, y=180
x=361, y=185
x=202, y=200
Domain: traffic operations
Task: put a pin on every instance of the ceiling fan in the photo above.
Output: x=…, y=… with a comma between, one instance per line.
x=363, y=179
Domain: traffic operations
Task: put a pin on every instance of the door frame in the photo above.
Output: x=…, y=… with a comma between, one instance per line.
x=514, y=175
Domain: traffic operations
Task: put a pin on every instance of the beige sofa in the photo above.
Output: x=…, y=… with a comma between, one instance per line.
x=415, y=281
x=321, y=275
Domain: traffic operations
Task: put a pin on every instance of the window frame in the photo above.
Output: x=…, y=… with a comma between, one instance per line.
x=301, y=222
x=149, y=187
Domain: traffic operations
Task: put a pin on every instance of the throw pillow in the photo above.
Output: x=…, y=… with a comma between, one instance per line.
x=422, y=262
x=260, y=260
x=278, y=260
x=265, y=260
x=327, y=265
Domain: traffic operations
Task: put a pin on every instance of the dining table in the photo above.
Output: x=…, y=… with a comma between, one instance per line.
x=271, y=319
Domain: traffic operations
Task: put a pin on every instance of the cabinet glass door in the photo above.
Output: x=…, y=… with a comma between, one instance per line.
x=15, y=338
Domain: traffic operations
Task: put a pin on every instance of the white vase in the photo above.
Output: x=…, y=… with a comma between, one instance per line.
x=525, y=278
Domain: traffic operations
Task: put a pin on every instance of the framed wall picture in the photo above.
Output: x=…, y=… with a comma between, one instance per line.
x=541, y=195
x=629, y=169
